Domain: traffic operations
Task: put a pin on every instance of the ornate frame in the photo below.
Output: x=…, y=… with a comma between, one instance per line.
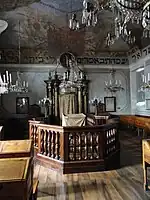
x=110, y=104
x=22, y=105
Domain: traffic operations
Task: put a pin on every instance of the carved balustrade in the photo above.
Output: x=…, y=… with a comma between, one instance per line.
x=33, y=132
x=75, y=149
x=50, y=141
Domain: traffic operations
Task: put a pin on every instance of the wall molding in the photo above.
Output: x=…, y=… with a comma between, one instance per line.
x=47, y=67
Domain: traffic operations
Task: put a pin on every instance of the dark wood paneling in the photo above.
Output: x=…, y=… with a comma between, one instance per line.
x=80, y=149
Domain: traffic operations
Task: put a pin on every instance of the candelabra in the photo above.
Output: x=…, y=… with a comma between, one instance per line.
x=95, y=101
x=89, y=15
x=20, y=86
x=45, y=103
x=129, y=12
x=113, y=85
x=6, y=84
x=145, y=83
x=3, y=86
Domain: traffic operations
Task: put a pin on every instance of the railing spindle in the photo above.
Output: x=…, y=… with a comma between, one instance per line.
x=57, y=146
x=75, y=143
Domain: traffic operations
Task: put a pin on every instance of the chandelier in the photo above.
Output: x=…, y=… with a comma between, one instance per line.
x=20, y=86
x=89, y=15
x=145, y=83
x=6, y=83
x=128, y=13
x=113, y=85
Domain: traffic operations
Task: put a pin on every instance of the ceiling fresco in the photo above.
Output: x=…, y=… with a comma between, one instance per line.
x=44, y=29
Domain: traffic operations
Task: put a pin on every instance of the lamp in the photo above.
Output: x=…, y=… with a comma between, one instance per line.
x=113, y=85
x=19, y=86
x=4, y=83
x=89, y=15
x=130, y=12
x=146, y=83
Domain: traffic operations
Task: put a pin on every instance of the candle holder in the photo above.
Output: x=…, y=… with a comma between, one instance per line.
x=113, y=85
x=146, y=83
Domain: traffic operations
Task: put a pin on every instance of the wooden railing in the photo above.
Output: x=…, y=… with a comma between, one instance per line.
x=33, y=133
x=93, y=120
x=75, y=149
x=51, y=141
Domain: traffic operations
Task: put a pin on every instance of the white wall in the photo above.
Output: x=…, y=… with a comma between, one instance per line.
x=35, y=75
x=96, y=88
x=138, y=108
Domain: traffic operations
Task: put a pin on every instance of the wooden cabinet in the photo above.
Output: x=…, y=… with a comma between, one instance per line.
x=16, y=178
x=16, y=148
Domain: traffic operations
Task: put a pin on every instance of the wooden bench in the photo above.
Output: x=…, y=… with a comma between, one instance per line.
x=16, y=178
x=140, y=123
x=146, y=161
x=16, y=148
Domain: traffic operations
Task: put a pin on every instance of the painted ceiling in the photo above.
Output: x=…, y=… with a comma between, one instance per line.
x=44, y=28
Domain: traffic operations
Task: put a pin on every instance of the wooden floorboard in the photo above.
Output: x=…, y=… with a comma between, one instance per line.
x=125, y=183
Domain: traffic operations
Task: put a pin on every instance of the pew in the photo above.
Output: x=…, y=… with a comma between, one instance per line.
x=138, y=122
x=16, y=150
x=16, y=178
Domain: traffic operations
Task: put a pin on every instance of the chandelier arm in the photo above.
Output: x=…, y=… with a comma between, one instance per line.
x=138, y=7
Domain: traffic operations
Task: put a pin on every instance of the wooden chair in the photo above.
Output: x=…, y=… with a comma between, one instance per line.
x=99, y=108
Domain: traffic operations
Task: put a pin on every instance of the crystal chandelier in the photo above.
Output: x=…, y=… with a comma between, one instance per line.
x=89, y=15
x=129, y=12
x=4, y=83
x=146, y=20
x=113, y=85
x=7, y=86
x=146, y=83
x=19, y=86
x=126, y=12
